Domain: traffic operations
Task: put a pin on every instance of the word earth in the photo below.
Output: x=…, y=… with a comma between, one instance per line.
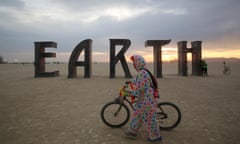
x=86, y=45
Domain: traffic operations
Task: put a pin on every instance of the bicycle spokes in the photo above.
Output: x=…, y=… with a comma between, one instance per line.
x=168, y=115
x=161, y=115
x=118, y=110
x=115, y=114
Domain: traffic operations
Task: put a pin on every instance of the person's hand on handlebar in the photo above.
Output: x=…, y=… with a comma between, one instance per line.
x=128, y=82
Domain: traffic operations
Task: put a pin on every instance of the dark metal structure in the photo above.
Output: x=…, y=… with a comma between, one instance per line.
x=85, y=45
x=114, y=59
x=40, y=55
x=157, y=55
x=196, y=51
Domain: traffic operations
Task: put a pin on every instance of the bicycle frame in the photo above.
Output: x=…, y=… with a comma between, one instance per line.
x=118, y=100
x=123, y=94
x=161, y=115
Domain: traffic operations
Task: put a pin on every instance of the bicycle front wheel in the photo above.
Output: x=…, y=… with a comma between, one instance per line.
x=115, y=115
x=168, y=115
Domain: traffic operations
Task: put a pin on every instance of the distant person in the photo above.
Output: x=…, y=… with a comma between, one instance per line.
x=204, y=68
x=226, y=69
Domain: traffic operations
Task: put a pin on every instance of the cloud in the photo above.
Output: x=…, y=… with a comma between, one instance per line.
x=12, y=3
x=124, y=13
x=214, y=22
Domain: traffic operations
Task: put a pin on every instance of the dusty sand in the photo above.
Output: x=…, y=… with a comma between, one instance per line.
x=67, y=111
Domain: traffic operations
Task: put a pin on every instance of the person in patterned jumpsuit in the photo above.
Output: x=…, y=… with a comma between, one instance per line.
x=146, y=103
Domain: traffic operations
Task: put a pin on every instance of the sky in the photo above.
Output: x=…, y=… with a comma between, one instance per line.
x=68, y=22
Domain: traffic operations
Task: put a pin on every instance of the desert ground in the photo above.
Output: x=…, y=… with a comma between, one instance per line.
x=67, y=111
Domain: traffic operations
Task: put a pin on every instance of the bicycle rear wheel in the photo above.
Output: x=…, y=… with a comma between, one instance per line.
x=168, y=115
x=115, y=115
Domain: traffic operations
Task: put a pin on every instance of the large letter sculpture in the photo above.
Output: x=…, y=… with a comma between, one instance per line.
x=40, y=56
x=196, y=58
x=182, y=58
x=120, y=56
x=157, y=55
x=85, y=45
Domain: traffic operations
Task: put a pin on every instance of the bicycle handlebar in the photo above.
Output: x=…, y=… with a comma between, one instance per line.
x=126, y=93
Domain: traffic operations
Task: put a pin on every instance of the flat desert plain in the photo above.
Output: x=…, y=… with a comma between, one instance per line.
x=67, y=111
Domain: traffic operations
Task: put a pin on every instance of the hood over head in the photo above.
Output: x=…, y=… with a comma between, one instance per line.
x=138, y=62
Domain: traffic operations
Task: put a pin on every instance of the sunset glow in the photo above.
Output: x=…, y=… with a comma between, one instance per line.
x=171, y=54
x=168, y=55
x=221, y=53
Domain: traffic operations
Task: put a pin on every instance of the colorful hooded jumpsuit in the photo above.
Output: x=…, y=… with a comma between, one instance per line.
x=146, y=104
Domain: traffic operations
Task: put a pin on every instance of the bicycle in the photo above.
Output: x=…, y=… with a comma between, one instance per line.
x=116, y=113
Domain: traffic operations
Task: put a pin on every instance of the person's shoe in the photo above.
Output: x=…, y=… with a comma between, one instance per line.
x=130, y=135
x=155, y=140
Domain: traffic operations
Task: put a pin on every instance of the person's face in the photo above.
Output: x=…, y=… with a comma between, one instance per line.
x=134, y=63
